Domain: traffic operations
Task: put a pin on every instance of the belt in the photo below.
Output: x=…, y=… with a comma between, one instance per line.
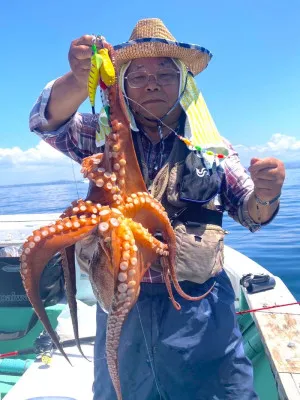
x=196, y=215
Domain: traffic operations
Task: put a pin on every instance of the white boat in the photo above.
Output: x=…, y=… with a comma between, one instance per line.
x=271, y=336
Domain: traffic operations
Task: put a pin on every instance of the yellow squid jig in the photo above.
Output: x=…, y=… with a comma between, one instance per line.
x=107, y=71
x=102, y=72
x=94, y=76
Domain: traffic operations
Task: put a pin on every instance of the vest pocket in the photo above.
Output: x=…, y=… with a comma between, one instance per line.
x=199, y=251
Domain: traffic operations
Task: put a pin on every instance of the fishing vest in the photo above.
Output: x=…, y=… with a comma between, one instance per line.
x=187, y=189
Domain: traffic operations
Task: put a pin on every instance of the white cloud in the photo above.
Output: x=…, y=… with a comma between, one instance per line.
x=38, y=164
x=285, y=147
x=43, y=163
x=43, y=153
x=281, y=142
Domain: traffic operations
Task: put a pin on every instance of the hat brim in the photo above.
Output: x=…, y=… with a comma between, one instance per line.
x=195, y=57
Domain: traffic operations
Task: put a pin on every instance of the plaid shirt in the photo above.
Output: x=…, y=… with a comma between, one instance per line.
x=76, y=139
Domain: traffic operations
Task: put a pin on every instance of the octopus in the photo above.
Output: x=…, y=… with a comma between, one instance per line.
x=123, y=218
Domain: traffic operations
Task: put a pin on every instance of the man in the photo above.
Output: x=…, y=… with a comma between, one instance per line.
x=196, y=353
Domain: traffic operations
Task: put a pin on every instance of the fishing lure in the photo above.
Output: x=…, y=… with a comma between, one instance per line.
x=102, y=72
x=107, y=70
x=94, y=76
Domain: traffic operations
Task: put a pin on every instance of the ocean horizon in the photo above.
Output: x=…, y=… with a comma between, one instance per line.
x=292, y=165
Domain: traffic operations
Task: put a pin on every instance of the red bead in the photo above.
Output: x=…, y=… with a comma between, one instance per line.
x=102, y=85
x=221, y=156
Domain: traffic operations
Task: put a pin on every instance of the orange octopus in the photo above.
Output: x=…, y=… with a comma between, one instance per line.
x=123, y=216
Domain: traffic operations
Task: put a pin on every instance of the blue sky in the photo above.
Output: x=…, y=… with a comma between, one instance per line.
x=251, y=86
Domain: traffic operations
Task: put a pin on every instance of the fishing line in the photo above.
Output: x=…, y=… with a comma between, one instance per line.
x=153, y=115
x=75, y=178
x=240, y=237
x=148, y=351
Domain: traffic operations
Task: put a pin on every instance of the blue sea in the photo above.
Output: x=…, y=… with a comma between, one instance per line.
x=276, y=246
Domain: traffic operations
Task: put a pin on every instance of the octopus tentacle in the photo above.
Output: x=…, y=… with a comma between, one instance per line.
x=168, y=268
x=169, y=287
x=119, y=121
x=82, y=208
x=142, y=234
x=144, y=201
x=40, y=248
x=113, y=332
x=68, y=264
x=89, y=164
x=128, y=280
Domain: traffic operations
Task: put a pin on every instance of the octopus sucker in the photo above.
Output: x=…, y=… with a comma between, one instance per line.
x=122, y=218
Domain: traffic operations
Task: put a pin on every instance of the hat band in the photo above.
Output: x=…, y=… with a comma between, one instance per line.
x=164, y=41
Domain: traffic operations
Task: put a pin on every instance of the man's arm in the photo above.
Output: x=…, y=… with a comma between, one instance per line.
x=238, y=195
x=75, y=138
x=54, y=116
x=70, y=91
x=268, y=175
x=66, y=96
x=260, y=213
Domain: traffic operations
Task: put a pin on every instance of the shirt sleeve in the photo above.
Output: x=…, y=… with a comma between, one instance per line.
x=237, y=189
x=75, y=138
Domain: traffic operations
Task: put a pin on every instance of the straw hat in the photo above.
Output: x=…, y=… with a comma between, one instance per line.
x=151, y=38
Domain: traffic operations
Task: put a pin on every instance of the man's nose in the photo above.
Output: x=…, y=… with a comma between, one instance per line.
x=152, y=83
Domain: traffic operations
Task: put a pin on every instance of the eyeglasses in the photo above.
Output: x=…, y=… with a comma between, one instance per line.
x=140, y=79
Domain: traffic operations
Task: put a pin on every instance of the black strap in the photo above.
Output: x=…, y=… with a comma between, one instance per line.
x=195, y=215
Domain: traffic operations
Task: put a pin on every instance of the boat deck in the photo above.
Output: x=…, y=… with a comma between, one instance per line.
x=279, y=328
x=58, y=379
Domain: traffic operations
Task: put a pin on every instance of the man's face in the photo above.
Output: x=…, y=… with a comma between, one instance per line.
x=154, y=97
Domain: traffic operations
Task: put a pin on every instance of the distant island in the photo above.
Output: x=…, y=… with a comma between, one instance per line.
x=61, y=182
